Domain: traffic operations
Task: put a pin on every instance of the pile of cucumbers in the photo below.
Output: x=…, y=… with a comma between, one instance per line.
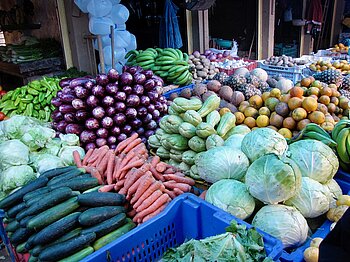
x=168, y=63
x=61, y=216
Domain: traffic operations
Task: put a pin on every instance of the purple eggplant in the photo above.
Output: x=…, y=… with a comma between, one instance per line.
x=149, y=84
x=81, y=92
x=149, y=133
x=111, y=140
x=148, y=73
x=125, y=79
x=81, y=115
x=146, y=119
x=120, y=107
x=56, y=101
x=151, y=108
x=145, y=100
x=65, y=82
x=120, y=96
x=119, y=119
x=107, y=122
x=132, y=100
x=127, y=90
x=92, y=123
x=64, y=109
x=140, y=131
x=87, y=136
x=61, y=126
x=74, y=129
x=136, y=123
x=67, y=98
x=158, y=106
x=153, y=96
x=108, y=101
x=130, y=113
x=102, y=79
x=90, y=146
x=115, y=130
x=101, y=142
x=69, y=117
x=92, y=101
x=78, y=81
x=112, y=88
x=78, y=104
x=98, y=112
x=98, y=91
x=133, y=69
x=111, y=111
x=67, y=90
x=157, y=78
x=90, y=84
x=122, y=137
x=127, y=129
x=56, y=115
x=158, y=83
x=152, y=125
x=162, y=99
x=142, y=111
x=144, y=139
x=102, y=132
x=155, y=114
x=59, y=93
x=139, y=78
x=113, y=146
x=113, y=75
x=138, y=89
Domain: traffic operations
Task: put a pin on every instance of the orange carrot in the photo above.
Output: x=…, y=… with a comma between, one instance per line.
x=106, y=188
x=131, y=213
x=131, y=145
x=140, y=147
x=149, y=200
x=94, y=172
x=87, y=156
x=116, y=168
x=178, y=191
x=97, y=152
x=110, y=166
x=203, y=194
x=122, y=145
x=180, y=179
x=126, y=159
x=77, y=158
x=155, y=186
x=136, y=163
x=161, y=167
x=133, y=188
x=102, y=154
x=170, y=170
x=170, y=193
x=153, y=214
x=145, y=183
x=102, y=165
x=156, y=174
x=155, y=160
x=182, y=186
x=163, y=199
x=179, y=174
x=138, y=172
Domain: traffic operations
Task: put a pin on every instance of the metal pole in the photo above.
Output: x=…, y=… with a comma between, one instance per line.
x=112, y=40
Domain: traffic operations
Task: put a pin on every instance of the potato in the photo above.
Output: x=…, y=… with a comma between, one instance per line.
x=202, y=74
x=311, y=254
x=316, y=242
x=226, y=93
x=199, y=67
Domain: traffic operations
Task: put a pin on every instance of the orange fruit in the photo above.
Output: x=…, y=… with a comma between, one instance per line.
x=331, y=108
x=317, y=117
x=285, y=98
x=294, y=103
x=327, y=126
x=289, y=123
x=323, y=108
x=306, y=82
x=326, y=91
x=324, y=100
x=250, y=122
x=276, y=120
x=314, y=97
x=243, y=105
x=296, y=91
x=335, y=92
x=285, y=132
x=313, y=91
x=329, y=118
x=265, y=96
x=251, y=111
x=264, y=111
x=256, y=101
x=239, y=117
x=299, y=114
x=262, y=121
x=335, y=100
x=309, y=104
x=301, y=124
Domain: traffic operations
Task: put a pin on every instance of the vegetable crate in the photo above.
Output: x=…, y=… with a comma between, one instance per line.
x=177, y=90
x=251, y=66
x=341, y=174
x=298, y=254
x=185, y=218
x=292, y=73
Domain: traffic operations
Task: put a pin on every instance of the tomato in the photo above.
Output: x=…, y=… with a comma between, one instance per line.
x=2, y=116
x=2, y=92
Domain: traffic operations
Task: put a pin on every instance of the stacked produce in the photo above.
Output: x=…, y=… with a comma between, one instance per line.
x=340, y=48
x=285, y=61
x=341, y=65
x=33, y=99
x=168, y=63
x=341, y=134
x=212, y=56
x=60, y=216
x=259, y=158
x=201, y=67
x=344, y=89
x=231, y=64
x=148, y=183
x=330, y=76
x=28, y=147
x=190, y=128
x=107, y=109
x=311, y=254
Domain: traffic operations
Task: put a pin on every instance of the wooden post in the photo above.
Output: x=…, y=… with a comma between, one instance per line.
x=266, y=28
x=189, y=32
x=112, y=46
x=337, y=17
x=100, y=52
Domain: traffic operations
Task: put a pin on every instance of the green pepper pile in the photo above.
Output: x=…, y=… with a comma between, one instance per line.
x=32, y=100
x=190, y=128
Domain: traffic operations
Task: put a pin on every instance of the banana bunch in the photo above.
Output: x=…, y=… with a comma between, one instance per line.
x=315, y=132
x=341, y=134
x=168, y=63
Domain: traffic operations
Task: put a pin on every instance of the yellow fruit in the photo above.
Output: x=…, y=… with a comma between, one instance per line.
x=251, y=111
x=315, y=242
x=265, y=96
x=273, y=128
x=323, y=108
x=239, y=117
x=289, y=123
x=313, y=91
x=329, y=118
x=250, y=122
x=299, y=114
x=331, y=108
x=264, y=111
x=256, y=101
x=328, y=126
x=343, y=200
x=285, y=132
x=224, y=110
x=306, y=82
x=317, y=117
x=311, y=254
x=344, y=103
x=301, y=124
x=262, y=121
x=294, y=103
x=309, y=104
x=243, y=105
x=324, y=100
x=316, y=83
x=275, y=92
x=335, y=100
x=326, y=91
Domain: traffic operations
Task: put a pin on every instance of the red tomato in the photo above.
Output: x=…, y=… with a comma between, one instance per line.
x=2, y=116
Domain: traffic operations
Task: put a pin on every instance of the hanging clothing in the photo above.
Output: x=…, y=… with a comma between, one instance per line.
x=314, y=17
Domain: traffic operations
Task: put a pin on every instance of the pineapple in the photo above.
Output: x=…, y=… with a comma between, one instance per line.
x=221, y=77
x=263, y=86
x=251, y=79
x=330, y=76
x=248, y=90
x=346, y=83
x=345, y=93
x=235, y=81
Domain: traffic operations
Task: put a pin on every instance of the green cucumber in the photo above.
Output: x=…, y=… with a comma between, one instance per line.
x=29, y=244
x=79, y=255
x=21, y=248
x=21, y=235
x=37, y=192
x=35, y=199
x=97, y=215
x=67, y=248
x=57, y=229
x=106, y=226
x=52, y=199
x=53, y=214
x=12, y=212
x=57, y=171
x=79, y=184
x=82, y=208
x=106, y=239
x=17, y=196
x=32, y=259
x=94, y=189
x=24, y=221
x=12, y=226
x=66, y=176
x=97, y=199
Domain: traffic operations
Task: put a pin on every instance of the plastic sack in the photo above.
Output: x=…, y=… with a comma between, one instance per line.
x=119, y=14
x=133, y=44
x=99, y=8
x=119, y=54
x=122, y=39
x=100, y=25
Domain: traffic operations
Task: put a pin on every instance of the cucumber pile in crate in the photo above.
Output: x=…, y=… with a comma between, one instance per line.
x=62, y=216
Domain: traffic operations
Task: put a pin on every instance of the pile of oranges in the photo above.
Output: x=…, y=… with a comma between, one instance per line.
x=340, y=48
x=342, y=65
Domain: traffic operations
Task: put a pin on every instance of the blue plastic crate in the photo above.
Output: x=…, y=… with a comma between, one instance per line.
x=298, y=254
x=4, y=237
x=185, y=218
x=341, y=174
x=177, y=90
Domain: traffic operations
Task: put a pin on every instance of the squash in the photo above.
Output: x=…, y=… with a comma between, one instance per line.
x=211, y=104
x=194, y=173
x=227, y=122
x=197, y=144
x=192, y=117
x=188, y=157
x=185, y=168
x=163, y=153
x=187, y=130
x=214, y=141
x=170, y=124
x=154, y=142
x=182, y=105
x=204, y=130
x=176, y=155
x=213, y=118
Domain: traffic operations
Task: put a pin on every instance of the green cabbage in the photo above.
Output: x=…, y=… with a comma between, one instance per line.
x=220, y=163
x=43, y=162
x=315, y=159
x=335, y=191
x=52, y=147
x=263, y=141
x=283, y=222
x=231, y=196
x=66, y=154
x=13, y=153
x=69, y=139
x=272, y=179
x=312, y=200
x=235, y=141
x=36, y=137
x=16, y=176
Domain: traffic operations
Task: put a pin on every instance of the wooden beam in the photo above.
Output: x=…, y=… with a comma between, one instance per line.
x=338, y=9
x=266, y=28
x=206, y=29
x=189, y=31
x=201, y=31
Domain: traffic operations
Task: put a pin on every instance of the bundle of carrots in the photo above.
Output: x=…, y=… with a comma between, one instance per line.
x=148, y=183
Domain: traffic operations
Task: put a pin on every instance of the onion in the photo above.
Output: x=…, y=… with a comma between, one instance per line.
x=212, y=58
x=207, y=52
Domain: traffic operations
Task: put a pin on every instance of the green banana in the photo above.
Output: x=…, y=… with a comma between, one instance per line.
x=338, y=127
x=185, y=57
x=316, y=128
x=341, y=147
x=144, y=58
x=179, y=54
x=168, y=53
